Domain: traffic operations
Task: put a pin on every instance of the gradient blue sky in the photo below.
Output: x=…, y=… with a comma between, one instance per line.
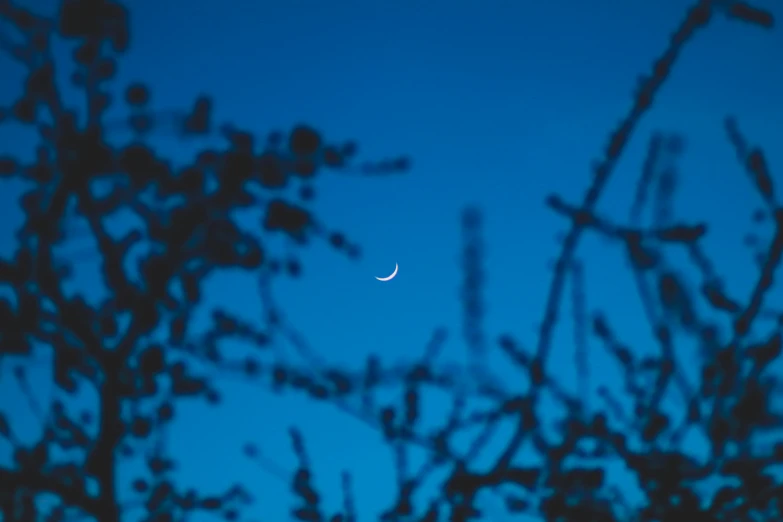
x=499, y=103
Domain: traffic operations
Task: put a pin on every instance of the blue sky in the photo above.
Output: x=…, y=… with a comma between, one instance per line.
x=499, y=104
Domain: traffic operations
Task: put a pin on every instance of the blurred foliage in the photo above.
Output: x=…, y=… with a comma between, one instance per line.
x=136, y=347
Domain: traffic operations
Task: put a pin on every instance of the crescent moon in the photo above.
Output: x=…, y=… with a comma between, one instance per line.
x=396, y=267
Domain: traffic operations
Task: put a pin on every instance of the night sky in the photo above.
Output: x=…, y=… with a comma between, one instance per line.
x=498, y=104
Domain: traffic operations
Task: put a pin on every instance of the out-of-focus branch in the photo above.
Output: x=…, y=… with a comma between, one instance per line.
x=72, y=495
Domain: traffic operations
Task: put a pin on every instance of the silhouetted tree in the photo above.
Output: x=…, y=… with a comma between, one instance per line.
x=128, y=346
x=732, y=408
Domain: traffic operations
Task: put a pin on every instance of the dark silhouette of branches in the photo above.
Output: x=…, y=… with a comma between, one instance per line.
x=137, y=350
x=135, y=347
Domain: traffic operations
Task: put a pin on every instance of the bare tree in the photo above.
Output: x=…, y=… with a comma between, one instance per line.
x=731, y=400
x=188, y=230
x=134, y=347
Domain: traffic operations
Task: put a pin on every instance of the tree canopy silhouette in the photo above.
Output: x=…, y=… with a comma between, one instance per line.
x=124, y=346
x=135, y=349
